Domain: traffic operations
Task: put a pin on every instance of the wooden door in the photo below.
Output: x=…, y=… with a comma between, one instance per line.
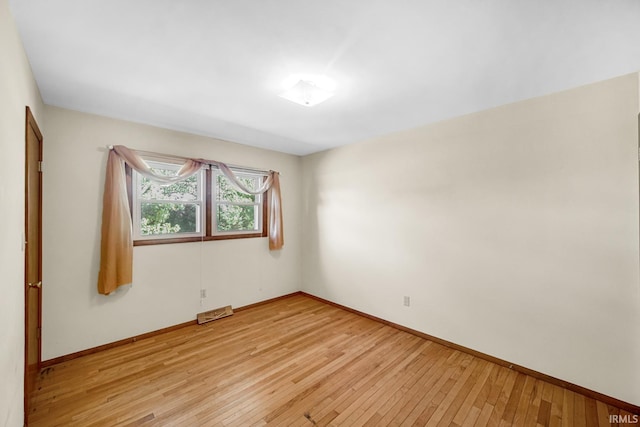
x=33, y=258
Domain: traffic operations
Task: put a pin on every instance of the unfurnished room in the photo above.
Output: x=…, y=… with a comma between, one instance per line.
x=337, y=213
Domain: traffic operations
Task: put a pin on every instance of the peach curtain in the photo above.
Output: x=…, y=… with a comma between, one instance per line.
x=116, y=246
x=238, y=184
x=276, y=232
x=138, y=164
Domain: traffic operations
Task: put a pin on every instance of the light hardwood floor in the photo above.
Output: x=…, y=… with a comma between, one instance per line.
x=300, y=362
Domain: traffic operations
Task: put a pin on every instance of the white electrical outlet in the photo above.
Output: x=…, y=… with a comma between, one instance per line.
x=407, y=301
x=203, y=293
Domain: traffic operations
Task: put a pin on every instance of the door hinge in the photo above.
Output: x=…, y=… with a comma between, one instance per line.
x=40, y=166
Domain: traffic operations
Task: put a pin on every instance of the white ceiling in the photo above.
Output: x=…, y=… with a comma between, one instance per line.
x=215, y=67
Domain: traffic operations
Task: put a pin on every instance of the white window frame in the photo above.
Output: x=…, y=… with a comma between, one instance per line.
x=137, y=203
x=258, y=202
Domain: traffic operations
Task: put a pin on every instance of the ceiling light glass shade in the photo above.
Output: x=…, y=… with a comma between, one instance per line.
x=307, y=93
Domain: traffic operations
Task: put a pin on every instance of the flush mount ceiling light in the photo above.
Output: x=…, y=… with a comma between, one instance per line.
x=308, y=90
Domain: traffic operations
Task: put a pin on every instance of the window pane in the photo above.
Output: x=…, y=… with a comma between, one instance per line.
x=168, y=218
x=226, y=191
x=186, y=190
x=237, y=218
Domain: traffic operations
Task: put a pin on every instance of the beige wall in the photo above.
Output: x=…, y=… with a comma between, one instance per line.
x=17, y=90
x=167, y=278
x=514, y=231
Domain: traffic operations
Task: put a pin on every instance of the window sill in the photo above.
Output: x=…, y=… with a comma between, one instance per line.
x=151, y=242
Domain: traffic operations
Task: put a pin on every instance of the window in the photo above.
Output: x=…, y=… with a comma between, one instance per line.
x=205, y=206
x=167, y=210
x=236, y=211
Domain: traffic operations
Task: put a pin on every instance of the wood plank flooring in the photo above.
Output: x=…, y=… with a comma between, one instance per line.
x=299, y=362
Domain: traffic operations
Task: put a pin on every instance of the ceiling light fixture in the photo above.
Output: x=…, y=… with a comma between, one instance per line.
x=308, y=90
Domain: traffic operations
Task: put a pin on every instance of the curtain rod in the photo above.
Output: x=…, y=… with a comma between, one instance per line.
x=171, y=156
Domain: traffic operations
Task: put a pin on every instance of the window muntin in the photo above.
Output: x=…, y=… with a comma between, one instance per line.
x=166, y=211
x=236, y=212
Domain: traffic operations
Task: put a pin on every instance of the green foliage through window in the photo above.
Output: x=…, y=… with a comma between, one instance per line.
x=235, y=209
x=226, y=191
x=234, y=217
x=166, y=218
x=157, y=214
x=178, y=209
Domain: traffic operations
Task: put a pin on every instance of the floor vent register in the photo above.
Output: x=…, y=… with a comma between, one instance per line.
x=215, y=314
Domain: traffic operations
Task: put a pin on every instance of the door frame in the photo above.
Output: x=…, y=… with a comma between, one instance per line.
x=30, y=372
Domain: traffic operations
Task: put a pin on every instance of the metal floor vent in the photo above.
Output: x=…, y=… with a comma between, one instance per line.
x=214, y=314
